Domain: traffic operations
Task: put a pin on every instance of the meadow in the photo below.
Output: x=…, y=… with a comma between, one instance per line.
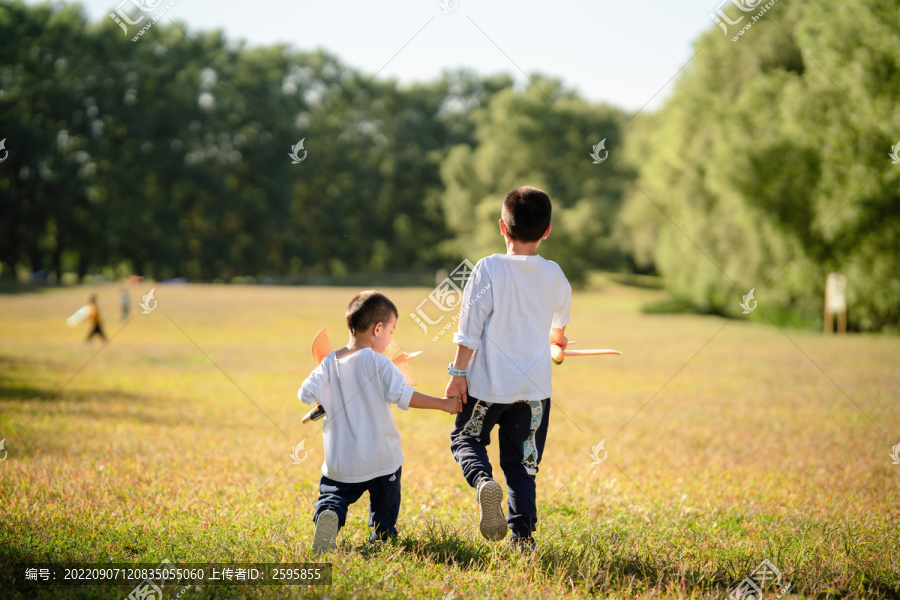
x=726, y=443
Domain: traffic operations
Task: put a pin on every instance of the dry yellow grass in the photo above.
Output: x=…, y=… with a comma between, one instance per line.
x=728, y=442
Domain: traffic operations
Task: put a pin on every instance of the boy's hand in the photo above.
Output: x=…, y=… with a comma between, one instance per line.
x=558, y=338
x=457, y=388
x=452, y=405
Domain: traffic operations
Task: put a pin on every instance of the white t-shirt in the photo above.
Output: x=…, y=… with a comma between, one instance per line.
x=361, y=439
x=509, y=305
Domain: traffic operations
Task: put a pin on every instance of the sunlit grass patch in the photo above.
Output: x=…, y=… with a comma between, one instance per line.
x=173, y=441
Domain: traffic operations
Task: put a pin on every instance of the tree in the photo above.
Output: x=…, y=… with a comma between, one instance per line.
x=768, y=169
x=543, y=137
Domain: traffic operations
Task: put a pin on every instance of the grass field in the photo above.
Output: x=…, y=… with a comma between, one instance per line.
x=728, y=443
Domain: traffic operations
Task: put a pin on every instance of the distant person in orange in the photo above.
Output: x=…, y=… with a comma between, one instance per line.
x=94, y=317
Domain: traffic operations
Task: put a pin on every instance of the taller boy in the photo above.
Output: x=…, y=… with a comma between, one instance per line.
x=510, y=306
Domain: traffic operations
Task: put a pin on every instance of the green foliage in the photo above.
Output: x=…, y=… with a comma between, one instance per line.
x=541, y=136
x=170, y=154
x=768, y=167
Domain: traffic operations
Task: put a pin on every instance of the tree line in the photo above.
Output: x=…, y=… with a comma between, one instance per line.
x=192, y=155
x=772, y=156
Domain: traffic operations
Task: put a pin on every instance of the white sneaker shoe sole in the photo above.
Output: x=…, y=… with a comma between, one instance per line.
x=493, y=523
x=326, y=532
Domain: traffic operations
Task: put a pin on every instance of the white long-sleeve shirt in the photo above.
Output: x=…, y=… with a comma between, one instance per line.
x=361, y=439
x=509, y=305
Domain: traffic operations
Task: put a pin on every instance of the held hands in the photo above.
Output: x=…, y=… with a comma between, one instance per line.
x=451, y=405
x=456, y=393
x=457, y=388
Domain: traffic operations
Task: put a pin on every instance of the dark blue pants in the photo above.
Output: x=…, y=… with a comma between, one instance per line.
x=522, y=428
x=384, y=501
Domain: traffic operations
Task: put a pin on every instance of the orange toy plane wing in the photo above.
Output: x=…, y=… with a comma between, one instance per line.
x=401, y=359
x=321, y=348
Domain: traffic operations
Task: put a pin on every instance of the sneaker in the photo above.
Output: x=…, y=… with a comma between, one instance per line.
x=327, y=526
x=522, y=544
x=493, y=524
x=377, y=537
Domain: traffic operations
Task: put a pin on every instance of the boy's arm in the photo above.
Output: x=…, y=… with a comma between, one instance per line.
x=457, y=386
x=399, y=392
x=449, y=405
x=561, y=315
x=477, y=305
x=309, y=390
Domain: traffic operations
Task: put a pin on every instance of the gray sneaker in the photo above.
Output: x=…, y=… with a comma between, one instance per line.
x=490, y=496
x=522, y=544
x=327, y=526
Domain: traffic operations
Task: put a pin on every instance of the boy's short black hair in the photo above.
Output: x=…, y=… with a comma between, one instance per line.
x=369, y=308
x=526, y=214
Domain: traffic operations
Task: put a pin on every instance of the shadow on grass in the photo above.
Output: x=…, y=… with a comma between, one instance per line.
x=603, y=564
x=16, y=386
x=14, y=558
x=446, y=545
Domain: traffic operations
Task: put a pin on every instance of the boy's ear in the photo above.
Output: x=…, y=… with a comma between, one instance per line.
x=377, y=328
x=503, y=229
x=547, y=233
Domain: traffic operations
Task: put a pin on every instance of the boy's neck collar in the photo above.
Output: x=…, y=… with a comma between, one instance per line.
x=514, y=248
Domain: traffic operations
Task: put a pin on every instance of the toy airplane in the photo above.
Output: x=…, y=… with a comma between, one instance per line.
x=558, y=354
x=321, y=348
x=80, y=315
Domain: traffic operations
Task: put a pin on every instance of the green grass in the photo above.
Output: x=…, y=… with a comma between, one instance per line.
x=728, y=442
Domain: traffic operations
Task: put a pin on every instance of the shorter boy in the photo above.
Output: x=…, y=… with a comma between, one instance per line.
x=355, y=386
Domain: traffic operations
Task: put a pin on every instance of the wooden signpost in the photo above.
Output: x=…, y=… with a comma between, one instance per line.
x=836, y=303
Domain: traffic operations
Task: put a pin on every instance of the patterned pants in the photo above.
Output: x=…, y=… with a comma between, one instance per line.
x=522, y=431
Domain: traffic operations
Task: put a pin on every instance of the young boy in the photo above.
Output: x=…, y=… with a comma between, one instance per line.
x=510, y=306
x=355, y=385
